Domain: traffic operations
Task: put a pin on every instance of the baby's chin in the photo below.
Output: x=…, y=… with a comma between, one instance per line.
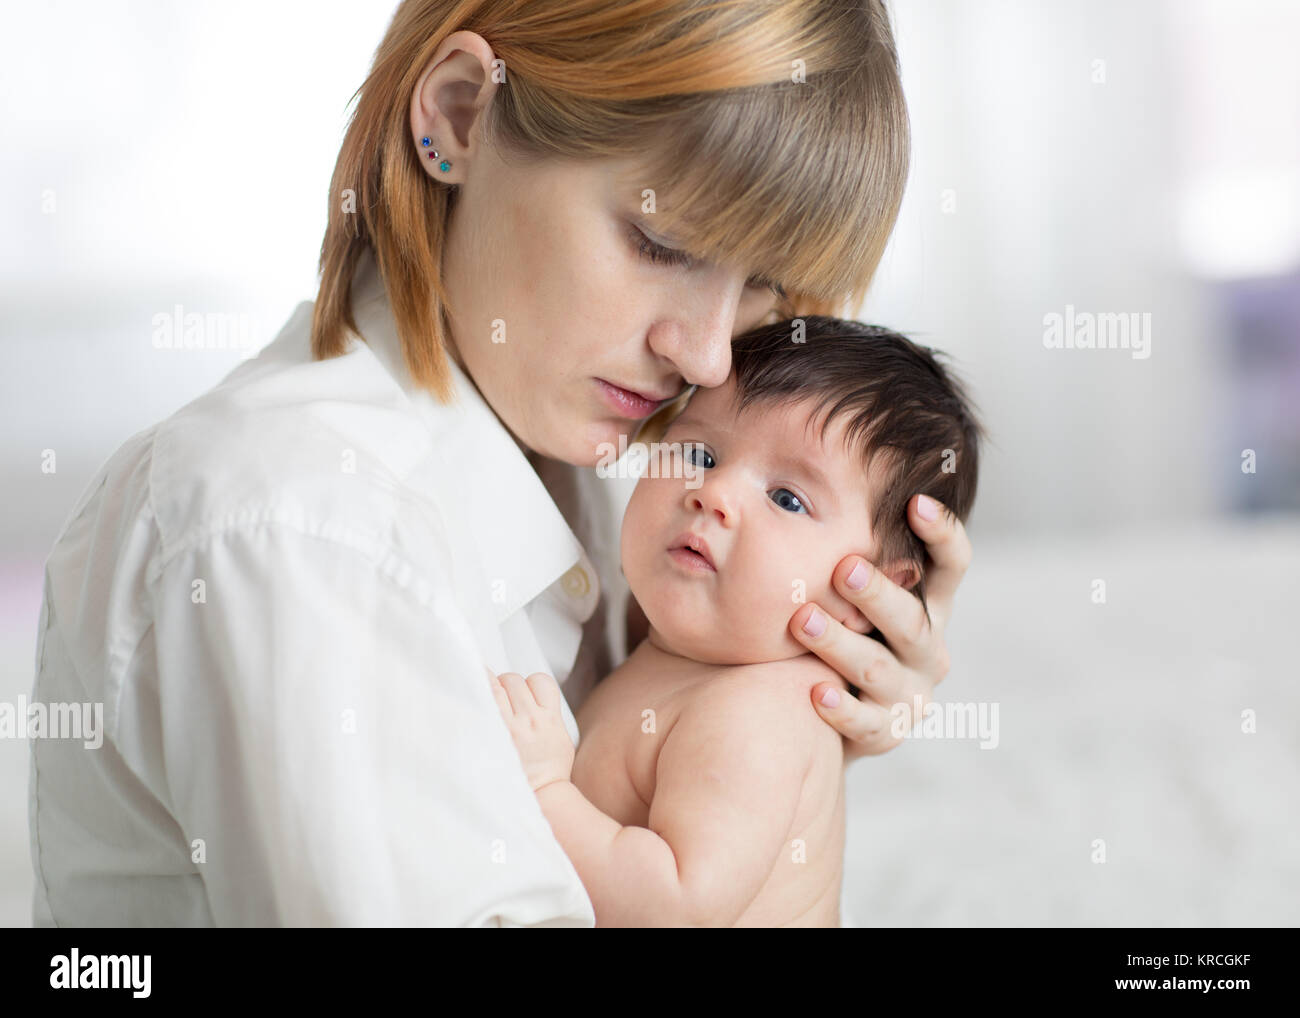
x=718, y=645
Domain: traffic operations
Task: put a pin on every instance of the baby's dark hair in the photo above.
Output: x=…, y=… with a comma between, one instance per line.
x=901, y=403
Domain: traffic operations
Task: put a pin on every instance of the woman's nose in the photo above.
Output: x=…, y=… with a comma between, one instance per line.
x=696, y=335
x=700, y=352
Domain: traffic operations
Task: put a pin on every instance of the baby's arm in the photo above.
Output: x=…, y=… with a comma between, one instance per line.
x=728, y=783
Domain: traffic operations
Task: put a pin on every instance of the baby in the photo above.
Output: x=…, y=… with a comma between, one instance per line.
x=705, y=789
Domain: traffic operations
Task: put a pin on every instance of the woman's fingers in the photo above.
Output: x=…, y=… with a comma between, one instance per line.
x=864, y=662
x=912, y=660
x=895, y=612
x=868, y=727
x=950, y=549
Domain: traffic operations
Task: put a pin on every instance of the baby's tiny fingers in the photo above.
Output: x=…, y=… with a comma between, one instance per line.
x=546, y=691
x=499, y=695
x=521, y=697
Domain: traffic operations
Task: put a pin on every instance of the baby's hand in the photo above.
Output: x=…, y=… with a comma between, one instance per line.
x=531, y=709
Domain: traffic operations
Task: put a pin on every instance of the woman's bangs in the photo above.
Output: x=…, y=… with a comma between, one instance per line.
x=783, y=181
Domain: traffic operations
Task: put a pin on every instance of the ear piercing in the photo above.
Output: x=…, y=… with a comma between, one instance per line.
x=433, y=154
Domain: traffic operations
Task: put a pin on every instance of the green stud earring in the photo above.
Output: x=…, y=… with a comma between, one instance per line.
x=444, y=165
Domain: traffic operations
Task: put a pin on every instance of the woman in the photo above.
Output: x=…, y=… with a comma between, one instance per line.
x=547, y=220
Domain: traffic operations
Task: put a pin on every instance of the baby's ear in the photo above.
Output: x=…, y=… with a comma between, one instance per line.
x=905, y=572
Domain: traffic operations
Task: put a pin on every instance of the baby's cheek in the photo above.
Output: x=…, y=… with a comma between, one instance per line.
x=776, y=590
x=789, y=581
x=638, y=518
x=801, y=578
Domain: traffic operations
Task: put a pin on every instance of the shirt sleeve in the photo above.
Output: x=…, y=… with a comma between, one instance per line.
x=331, y=746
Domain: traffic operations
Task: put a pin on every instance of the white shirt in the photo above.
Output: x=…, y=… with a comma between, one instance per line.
x=287, y=597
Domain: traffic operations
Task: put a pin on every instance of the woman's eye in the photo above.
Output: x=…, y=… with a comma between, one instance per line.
x=661, y=255
x=657, y=253
x=787, y=500
x=698, y=456
x=766, y=284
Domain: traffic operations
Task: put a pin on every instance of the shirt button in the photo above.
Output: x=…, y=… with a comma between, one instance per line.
x=576, y=583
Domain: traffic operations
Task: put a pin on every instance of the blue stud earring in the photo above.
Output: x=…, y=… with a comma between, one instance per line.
x=444, y=165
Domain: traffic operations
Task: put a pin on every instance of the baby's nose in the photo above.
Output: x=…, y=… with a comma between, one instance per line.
x=714, y=499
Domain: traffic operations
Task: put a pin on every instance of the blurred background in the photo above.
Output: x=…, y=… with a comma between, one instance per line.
x=1074, y=157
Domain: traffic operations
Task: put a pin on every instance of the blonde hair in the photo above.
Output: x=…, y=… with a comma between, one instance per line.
x=800, y=180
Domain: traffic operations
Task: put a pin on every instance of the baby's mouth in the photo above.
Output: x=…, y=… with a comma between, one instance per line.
x=692, y=552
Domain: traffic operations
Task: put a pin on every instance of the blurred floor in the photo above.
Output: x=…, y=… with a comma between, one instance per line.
x=20, y=595
x=1118, y=721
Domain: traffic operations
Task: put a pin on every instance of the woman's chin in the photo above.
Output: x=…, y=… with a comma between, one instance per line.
x=595, y=443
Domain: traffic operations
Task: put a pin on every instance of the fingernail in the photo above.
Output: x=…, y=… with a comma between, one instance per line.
x=831, y=698
x=815, y=624
x=858, y=578
x=927, y=508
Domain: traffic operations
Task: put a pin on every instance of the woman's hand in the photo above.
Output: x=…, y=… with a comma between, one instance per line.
x=915, y=659
x=531, y=709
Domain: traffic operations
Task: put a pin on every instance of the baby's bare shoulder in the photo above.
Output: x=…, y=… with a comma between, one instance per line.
x=755, y=694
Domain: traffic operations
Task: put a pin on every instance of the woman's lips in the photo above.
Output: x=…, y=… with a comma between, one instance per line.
x=628, y=402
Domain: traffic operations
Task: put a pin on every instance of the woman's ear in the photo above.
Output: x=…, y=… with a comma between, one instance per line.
x=449, y=99
x=905, y=572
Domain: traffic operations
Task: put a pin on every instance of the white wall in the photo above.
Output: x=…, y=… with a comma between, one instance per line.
x=187, y=151
x=1122, y=195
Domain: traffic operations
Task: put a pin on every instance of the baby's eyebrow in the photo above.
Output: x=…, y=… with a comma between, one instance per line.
x=805, y=467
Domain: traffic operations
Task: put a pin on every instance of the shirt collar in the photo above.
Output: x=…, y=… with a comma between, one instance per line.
x=524, y=543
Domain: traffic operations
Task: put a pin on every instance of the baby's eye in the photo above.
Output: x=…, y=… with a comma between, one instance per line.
x=698, y=456
x=787, y=500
